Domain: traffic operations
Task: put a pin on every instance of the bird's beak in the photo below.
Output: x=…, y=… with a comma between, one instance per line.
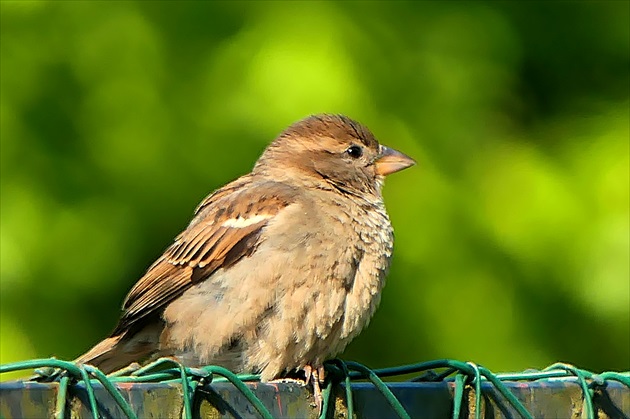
x=391, y=161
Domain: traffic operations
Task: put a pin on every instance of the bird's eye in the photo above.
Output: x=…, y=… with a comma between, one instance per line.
x=354, y=151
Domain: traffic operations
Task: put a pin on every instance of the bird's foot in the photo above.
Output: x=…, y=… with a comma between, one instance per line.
x=316, y=377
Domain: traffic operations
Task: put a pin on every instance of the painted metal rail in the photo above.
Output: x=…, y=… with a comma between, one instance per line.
x=445, y=389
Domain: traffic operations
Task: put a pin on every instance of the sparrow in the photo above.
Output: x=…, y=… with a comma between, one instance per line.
x=278, y=270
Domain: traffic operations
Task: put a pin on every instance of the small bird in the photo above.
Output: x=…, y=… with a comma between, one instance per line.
x=278, y=270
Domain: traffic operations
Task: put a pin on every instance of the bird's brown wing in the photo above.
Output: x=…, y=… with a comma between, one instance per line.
x=227, y=228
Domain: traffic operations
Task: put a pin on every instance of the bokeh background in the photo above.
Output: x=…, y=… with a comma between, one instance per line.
x=512, y=231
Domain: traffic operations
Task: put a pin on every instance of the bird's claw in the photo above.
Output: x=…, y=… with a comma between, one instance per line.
x=316, y=377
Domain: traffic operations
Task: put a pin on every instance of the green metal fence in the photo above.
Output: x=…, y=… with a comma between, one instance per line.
x=435, y=389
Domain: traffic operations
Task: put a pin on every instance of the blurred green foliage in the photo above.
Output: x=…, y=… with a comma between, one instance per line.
x=512, y=232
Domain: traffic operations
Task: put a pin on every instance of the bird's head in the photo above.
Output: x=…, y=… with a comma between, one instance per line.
x=333, y=150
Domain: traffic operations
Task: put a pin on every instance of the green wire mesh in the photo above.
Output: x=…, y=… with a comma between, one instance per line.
x=167, y=370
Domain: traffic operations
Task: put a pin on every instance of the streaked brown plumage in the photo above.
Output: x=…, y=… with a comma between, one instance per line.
x=278, y=270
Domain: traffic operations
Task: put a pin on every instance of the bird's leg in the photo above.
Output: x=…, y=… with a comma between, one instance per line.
x=315, y=376
x=321, y=373
x=308, y=372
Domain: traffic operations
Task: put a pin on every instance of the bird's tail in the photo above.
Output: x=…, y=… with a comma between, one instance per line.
x=118, y=351
x=115, y=352
x=104, y=355
x=107, y=355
